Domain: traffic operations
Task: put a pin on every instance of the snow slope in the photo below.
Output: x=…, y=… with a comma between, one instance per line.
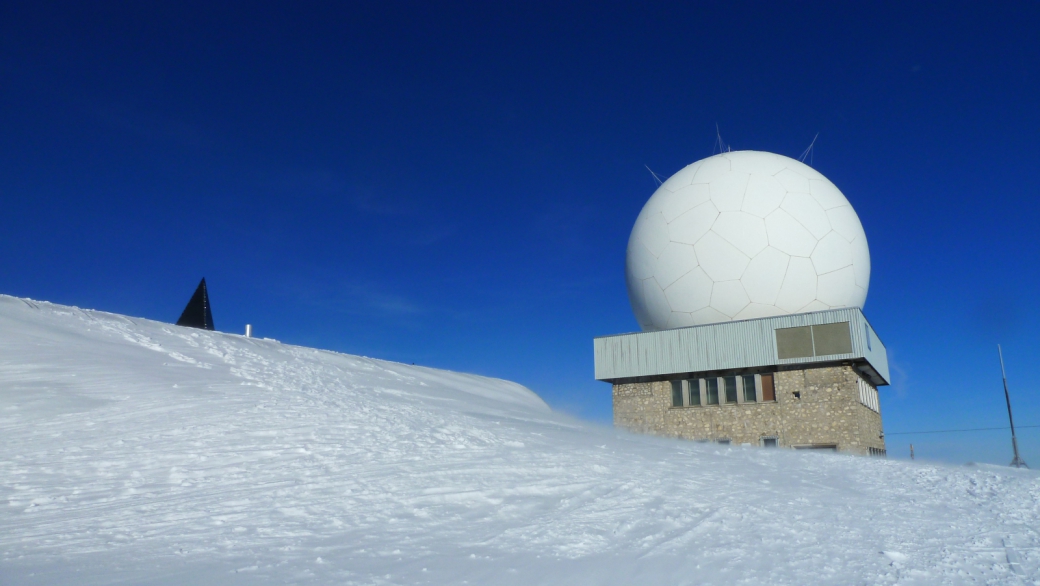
x=138, y=452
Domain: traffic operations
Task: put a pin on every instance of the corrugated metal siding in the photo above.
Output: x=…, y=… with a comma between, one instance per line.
x=876, y=354
x=740, y=344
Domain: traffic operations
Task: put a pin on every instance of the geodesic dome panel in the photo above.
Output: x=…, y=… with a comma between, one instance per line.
x=744, y=235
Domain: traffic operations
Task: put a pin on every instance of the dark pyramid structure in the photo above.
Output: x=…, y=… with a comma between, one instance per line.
x=197, y=313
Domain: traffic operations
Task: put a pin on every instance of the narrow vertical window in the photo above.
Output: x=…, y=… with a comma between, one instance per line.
x=731, y=388
x=749, y=388
x=711, y=387
x=695, y=392
x=676, y=393
x=768, y=393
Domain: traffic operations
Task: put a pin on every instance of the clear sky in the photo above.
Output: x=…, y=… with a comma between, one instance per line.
x=454, y=185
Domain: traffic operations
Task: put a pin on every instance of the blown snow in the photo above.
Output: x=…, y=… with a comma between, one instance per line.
x=140, y=452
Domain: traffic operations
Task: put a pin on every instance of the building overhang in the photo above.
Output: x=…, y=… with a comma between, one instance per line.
x=805, y=340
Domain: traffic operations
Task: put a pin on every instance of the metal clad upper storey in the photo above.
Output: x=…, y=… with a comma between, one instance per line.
x=732, y=345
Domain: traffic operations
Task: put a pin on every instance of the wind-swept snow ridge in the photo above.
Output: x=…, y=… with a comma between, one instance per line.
x=139, y=452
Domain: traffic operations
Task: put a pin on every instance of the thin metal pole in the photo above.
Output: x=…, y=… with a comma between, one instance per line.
x=1017, y=462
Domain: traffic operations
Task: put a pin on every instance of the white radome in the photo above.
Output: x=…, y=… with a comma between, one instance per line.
x=742, y=235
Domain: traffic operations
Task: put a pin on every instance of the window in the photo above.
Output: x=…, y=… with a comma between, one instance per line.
x=794, y=342
x=810, y=341
x=711, y=388
x=832, y=339
x=768, y=392
x=769, y=442
x=868, y=396
x=728, y=390
x=749, y=388
x=731, y=388
x=724, y=441
x=695, y=392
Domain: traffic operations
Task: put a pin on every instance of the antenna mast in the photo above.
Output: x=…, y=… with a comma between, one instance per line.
x=1017, y=462
x=723, y=147
x=809, y=151
x=656, y=178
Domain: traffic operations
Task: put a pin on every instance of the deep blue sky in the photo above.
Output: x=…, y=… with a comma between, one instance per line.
x=454, y=185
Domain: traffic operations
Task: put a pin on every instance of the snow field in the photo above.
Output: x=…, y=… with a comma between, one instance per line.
x=139, y=452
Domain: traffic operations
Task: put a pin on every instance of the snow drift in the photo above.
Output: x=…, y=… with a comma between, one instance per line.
x=140, y=452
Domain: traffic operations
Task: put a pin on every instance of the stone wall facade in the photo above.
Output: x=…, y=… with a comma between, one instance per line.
x=813, y=407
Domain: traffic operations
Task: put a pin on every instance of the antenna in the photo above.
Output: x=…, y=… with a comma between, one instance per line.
x=656, y=178
x=1017, y=462
x=719, y=144
x=809, y=151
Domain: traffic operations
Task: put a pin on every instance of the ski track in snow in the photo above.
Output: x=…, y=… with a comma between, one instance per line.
x=140, y=452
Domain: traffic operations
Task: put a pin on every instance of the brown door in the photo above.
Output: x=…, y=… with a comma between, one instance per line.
x=768, y=394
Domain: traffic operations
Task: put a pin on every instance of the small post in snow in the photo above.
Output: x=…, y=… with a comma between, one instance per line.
x=249, y=330
x=911, y=451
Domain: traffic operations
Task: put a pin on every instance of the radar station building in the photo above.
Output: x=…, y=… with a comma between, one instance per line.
x=806, y=381
x=747, y=272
